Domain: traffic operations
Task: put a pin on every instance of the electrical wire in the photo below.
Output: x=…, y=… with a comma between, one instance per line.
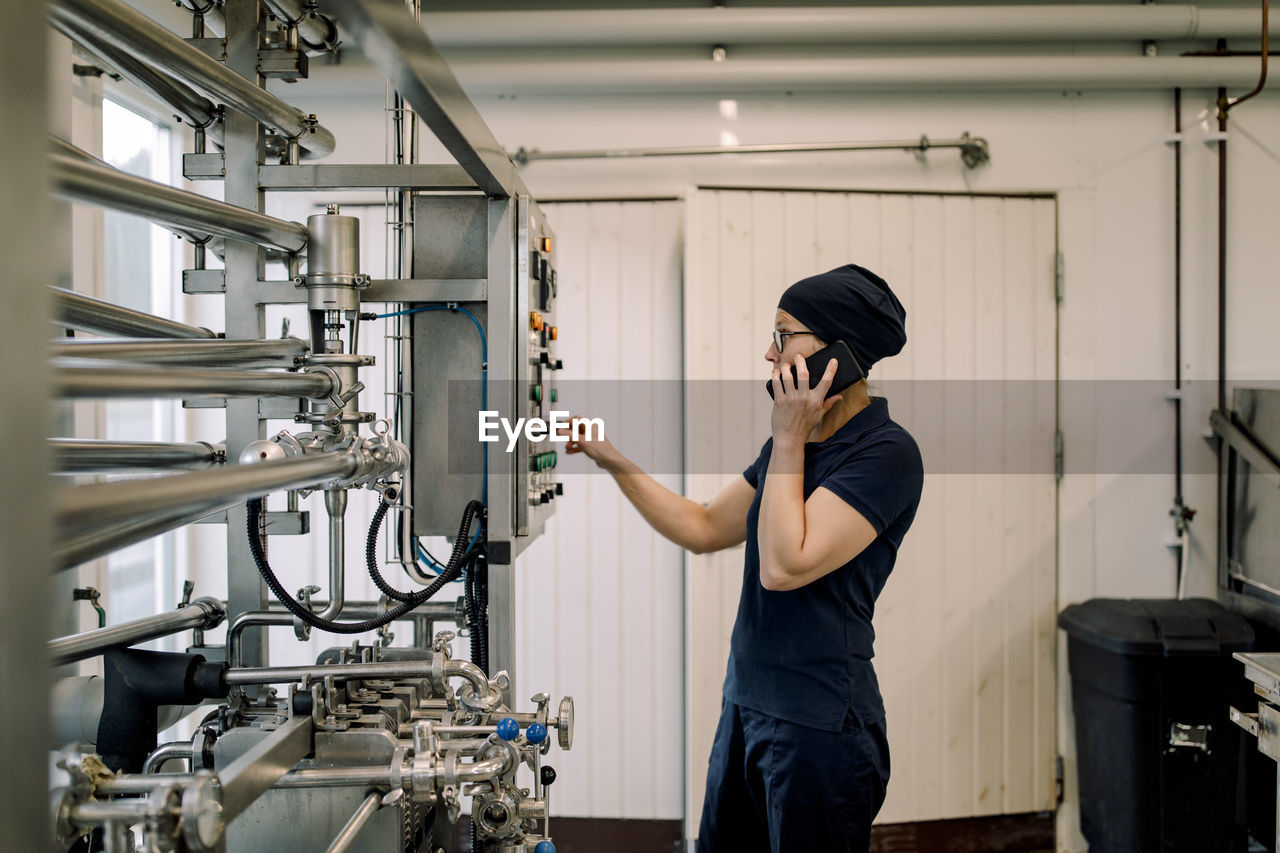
x=254, y=531
x=450, y=572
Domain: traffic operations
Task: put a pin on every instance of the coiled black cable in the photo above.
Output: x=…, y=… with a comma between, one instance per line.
x=451, y=570
x=477, y=603
x=253, y=525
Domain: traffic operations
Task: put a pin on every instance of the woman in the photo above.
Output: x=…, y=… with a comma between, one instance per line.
x=800, y=760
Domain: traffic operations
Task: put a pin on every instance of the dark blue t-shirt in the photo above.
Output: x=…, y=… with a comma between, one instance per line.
x=804, y=655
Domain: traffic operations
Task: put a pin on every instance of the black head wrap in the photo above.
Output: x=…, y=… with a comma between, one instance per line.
x=850, y=304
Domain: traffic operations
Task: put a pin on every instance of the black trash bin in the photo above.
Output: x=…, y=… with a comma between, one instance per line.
x=1160, y=765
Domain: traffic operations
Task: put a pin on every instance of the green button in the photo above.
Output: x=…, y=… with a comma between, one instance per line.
x=554, y=459
x=553, y=395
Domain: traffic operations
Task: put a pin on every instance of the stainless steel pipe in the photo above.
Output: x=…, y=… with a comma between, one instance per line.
x=78, y=378
x=81, y=179
x=191, y=106
x=335, y=505
x=203, y=613
x=249, y=619
x=128, y=30
x=99, y=456
x=157, y=759
x=347, y=835
x=329, y=777
x=84, y=313
x=66, y=149
x=287, y=352
x=74, y=547
x=345, y=671
x=104, y=504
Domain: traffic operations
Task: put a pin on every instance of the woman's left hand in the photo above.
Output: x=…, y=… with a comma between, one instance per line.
x=797, y=408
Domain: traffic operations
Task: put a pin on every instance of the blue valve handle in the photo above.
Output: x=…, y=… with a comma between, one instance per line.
x=508, y=729
x=536, y=733
x=545, y=847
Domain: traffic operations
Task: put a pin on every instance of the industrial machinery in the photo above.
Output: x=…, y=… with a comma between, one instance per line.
x=371, y=747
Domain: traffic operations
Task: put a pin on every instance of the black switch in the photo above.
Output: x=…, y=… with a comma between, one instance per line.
x=559, y=488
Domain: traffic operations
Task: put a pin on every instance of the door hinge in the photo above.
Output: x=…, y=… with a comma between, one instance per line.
x=1058, y=455
x=1059, y=779
x=1059, y=276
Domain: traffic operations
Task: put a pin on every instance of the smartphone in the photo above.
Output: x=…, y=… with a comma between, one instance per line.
x=848, y=371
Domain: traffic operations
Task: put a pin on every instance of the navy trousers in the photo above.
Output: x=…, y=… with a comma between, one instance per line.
x=779, y=787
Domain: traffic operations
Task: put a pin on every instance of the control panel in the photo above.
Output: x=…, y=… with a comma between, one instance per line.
x=484, y=368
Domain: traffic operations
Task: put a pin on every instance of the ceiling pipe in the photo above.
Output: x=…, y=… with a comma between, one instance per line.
x=853, y=75
x=920, y=24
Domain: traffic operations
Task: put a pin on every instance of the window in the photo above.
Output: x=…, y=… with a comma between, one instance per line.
x=139, y=264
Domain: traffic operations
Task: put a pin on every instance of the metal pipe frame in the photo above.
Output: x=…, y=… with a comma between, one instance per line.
x=248, y=619
x=397, y=46
x=348, y=671
x=74, y=548
x=347, y=835
x=177, y=749
x=335, y=505
x=128, y=30
x=430, y=611
x=86, y=314
x=104, y=504
x=203, y=614
x=74, y=378
x=82, y=179
x=286, y=352
x=318, y=32
x=100, y=456
x=191, y=106
x=66, y=149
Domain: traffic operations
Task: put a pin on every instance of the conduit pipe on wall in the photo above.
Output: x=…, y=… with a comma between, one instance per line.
x=1225, y=105
x=884, y=24
x=494, y=76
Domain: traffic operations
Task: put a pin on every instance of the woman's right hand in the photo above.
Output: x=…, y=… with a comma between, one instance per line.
x=599, y=449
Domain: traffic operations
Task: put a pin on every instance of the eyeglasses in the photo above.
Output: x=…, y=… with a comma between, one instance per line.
x=779, y=338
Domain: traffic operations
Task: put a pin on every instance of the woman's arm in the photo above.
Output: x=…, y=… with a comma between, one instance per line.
x=693, y=526
x=800, y=541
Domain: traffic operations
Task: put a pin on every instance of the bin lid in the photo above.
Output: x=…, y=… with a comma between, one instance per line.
x=1157, y=626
